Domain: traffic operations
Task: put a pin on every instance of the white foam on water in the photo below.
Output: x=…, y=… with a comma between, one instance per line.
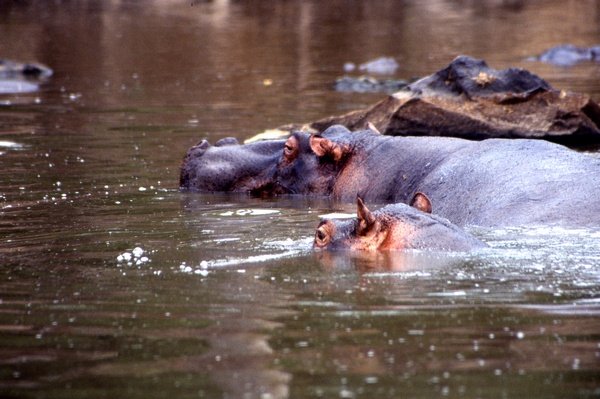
x=134, y=257
x=251, y=212
x=338, y=215
x=234, y=261
x=10, y=144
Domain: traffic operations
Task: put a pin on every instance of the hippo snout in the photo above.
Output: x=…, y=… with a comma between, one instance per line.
x=229, y=166
x=203, y=145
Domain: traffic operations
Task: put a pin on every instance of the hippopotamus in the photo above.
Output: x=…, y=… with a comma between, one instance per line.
x=394, y=227
x=494, y=182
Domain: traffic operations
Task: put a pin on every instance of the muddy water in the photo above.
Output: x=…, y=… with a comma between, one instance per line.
x=115, y=284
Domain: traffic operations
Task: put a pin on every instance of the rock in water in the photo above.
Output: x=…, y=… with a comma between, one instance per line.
x=469, y=99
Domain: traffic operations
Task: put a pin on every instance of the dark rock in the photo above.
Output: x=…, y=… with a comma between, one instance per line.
x=468, y=99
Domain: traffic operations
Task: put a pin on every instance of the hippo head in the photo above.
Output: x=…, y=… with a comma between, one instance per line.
x=394, y=227
x=229, y=166
x=311, y=164
x=303, y=164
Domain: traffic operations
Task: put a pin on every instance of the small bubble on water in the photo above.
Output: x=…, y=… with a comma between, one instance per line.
x=349, y=67
x=137, y=252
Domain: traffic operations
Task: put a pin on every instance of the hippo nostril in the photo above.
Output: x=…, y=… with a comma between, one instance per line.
x=203, y=145
x=198, y=150
x=227, y=141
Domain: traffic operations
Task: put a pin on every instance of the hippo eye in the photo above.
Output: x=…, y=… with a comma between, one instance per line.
x=290, y=147
x=288, y=150
x=321, y=237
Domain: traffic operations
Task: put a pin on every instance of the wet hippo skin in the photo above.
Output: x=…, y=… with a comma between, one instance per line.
x=496, y=182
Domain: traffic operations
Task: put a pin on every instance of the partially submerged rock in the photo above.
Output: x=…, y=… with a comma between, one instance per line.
x=12, y=69
x=368, y=84
x=17, y=77
x=381, y=66
x=468, y=99
x=568, y=54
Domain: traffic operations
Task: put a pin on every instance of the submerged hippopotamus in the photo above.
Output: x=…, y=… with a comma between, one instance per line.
x=394, y=227
x=496, y=182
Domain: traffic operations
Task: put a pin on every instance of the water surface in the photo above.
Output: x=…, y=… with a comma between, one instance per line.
x=114, y=283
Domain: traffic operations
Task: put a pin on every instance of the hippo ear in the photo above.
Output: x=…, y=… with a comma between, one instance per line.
x=366, y=220
x=373, y=128
x=322, y=146
x=421, y=202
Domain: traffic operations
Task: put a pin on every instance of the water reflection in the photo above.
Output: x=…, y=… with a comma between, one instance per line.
x=387, y=261
x=408, y=333
x=424, y=351
x=233, y=348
